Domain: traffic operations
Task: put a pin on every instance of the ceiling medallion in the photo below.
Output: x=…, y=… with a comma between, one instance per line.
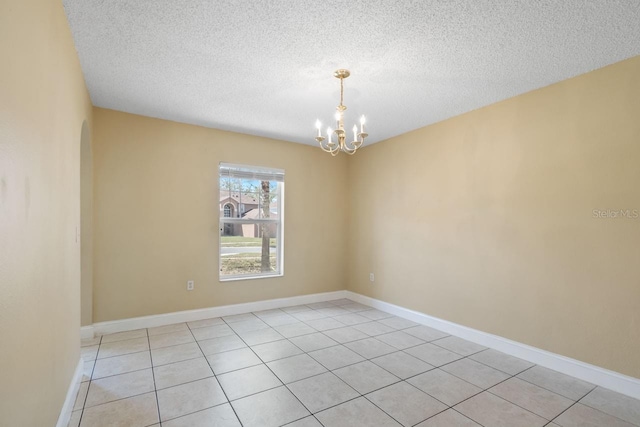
x=341, y=144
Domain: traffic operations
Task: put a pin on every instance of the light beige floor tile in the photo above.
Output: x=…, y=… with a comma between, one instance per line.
x=365, y=376
x=306, y=422
x=345, y=334
x=584, y=416
x=248, y=381
x=333, y=311
x=172, y=338
x=89, y=353
x=476, y=373
x=167, y=329
x=308, y=315
x=175, y=353
x=400, y=340
x=615, y=404
x=181, y=372
x=219, y=416
x=87, y=342
x=358, y=412
x=190, y=397
x=375, y=314
x=276, y=350
x=322, y=391
x=274, y=312
x=239, y=317
x=254, y=324
x=295, y=368
x=81, y=396
x=405, y=403
x=325, y=324
x=532, y=398
x=425, y=333
x=458, y=345
x=445, y=387
x=352, y=319
x=355, y=307
x=233, y=360
x=126, y=335
x=432, y=354
x=205, y=322
x=503, y=362
x=490, y=410
x=119, y=387
x=134, y=411
x=319, y=305
x=336, y=357
x=313, y=342
x=370, y=348
x=214, y=331
x=87, y=369
x=118, y=348
x=121, y=364
x=220, y=344
x=449, y=418
x=341, y=301
x=280, y=320
x=402, y=365
x=74, y=421
x=561, y=384
x=270, y=408
x=294, y=330
x=260, y=336
x=398, y=322
x=296, y=309
x=374, y=328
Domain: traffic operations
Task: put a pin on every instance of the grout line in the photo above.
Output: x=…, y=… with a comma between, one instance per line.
x=215, y=376
x=153, y=375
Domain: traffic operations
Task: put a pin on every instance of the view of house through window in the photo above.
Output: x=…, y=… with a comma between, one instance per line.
x=251, y=213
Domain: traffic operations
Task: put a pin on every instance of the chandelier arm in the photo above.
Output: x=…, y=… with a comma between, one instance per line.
x=349, y=150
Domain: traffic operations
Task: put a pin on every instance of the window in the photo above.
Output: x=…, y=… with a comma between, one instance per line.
x=251, y=221
x=228, y=210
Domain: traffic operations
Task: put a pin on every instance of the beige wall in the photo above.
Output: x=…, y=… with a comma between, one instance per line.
x=43, y=103
x=156, y=216
x=486, y=219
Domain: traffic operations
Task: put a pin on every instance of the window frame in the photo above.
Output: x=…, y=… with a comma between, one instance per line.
x=279, y=222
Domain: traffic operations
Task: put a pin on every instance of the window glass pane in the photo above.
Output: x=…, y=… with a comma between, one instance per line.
x=248, y=248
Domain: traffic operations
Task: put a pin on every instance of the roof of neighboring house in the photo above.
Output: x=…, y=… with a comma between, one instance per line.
x=246, y=198
x=254, y=214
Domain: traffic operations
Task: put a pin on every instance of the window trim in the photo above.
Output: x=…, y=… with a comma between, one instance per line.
x=235, y=220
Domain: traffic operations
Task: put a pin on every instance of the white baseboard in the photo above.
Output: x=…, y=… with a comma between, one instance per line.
x=70, y=400
x=86, y=332
x=110, y=327
x=599, y=376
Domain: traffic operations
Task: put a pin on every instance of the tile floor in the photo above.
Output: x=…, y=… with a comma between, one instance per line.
x=335, y=363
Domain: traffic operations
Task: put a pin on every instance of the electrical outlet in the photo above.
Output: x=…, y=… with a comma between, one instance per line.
x=190, y=285
x=372, y=277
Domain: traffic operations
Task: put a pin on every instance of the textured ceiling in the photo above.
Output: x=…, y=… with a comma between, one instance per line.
x=265, y=67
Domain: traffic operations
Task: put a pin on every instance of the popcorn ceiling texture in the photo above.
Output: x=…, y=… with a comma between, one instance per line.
x=265, y=67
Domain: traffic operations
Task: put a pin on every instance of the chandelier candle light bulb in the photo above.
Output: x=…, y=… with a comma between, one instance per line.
x=341, y=144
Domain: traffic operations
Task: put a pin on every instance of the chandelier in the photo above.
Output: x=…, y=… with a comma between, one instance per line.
x=341, y=144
